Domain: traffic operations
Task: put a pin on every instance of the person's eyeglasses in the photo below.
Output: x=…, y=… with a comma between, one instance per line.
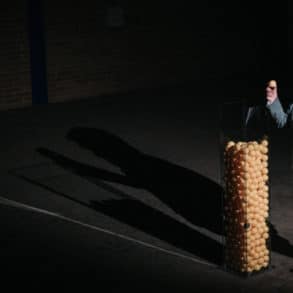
x=271, y=87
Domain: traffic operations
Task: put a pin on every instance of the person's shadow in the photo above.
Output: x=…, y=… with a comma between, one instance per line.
x=193, y=196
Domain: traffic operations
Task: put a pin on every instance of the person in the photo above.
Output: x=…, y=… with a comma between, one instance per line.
x=272, y=118
x=273, y=112
x=281, y=117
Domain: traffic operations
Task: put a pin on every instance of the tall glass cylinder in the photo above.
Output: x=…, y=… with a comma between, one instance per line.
x=245, y=180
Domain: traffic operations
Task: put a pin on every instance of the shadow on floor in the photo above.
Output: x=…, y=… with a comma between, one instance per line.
x=162, y=226
x=135, y=213
x=193, y=196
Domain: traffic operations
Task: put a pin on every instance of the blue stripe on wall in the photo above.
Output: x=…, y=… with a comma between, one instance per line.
x=37, y=52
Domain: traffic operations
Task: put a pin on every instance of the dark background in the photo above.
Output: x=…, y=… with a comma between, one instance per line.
x=53, y=51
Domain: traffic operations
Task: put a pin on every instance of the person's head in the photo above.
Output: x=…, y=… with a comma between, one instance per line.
x=271, y=89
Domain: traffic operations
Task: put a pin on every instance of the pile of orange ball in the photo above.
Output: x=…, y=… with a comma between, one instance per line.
x=246, y=205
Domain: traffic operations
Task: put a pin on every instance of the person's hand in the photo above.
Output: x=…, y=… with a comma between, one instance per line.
x=271, y=91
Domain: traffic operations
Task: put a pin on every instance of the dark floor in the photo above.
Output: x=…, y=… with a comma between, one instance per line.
x=124, y=192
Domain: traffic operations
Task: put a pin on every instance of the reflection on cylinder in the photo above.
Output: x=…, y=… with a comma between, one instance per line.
x=246, y=205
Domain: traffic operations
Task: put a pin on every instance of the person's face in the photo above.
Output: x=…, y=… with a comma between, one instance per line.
x=271, y=88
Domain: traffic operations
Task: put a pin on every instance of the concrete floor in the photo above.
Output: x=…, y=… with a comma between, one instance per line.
x=124, y=192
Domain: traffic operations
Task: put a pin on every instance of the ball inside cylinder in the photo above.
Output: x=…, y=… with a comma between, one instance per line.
x=246, y=205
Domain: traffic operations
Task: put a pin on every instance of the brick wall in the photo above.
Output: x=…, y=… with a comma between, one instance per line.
x=156, y=47
x=15, y=84
x=86, y=58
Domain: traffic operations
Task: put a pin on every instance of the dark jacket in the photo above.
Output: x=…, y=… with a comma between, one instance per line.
x=264, y=118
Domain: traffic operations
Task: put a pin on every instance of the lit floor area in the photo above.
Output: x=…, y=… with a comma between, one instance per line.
x=123, y=191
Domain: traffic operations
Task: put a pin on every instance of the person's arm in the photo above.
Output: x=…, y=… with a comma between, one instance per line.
x=290, y=113
x=277, y=112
